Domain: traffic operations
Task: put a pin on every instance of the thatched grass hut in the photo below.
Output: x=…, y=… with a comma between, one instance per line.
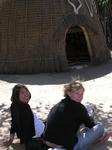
x=49, y=35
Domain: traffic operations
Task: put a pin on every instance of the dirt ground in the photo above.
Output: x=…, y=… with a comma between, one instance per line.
x=47, y=89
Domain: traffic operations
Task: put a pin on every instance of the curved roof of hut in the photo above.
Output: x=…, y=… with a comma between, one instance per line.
x=32, y=33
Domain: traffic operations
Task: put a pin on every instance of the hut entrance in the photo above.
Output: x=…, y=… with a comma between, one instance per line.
x=76, y=47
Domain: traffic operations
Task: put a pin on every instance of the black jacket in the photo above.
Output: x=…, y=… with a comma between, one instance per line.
x=22, y=122
x=63, y=122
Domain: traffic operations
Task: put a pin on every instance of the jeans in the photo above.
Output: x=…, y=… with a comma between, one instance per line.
x=87, y=138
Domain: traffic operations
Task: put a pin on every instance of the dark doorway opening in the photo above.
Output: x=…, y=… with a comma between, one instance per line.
x=76, y=47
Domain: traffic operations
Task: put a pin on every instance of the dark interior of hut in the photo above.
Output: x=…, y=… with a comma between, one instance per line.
x=76, y=47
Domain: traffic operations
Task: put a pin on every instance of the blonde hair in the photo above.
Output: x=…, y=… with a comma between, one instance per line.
x=74, y=85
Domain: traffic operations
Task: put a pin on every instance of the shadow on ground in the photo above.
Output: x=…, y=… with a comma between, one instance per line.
x=101, y=116
x=106, y=118
x=85, y=73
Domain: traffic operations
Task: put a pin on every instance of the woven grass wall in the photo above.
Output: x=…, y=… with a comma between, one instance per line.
x=32, y=35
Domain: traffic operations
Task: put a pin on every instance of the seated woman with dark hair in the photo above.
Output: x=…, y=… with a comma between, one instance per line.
x=24, y=121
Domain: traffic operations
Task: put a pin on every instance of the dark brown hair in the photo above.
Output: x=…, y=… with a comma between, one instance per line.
x=16, y=91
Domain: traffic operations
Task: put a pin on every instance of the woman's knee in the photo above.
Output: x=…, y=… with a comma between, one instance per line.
x=99, y=128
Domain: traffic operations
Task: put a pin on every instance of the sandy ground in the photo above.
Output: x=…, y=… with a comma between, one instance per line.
x=47, y=89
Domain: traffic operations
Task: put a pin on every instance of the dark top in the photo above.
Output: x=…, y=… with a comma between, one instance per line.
x=63, y=122
x=22, y=122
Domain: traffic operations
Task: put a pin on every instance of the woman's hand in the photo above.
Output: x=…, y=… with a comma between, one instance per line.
x=9, y=142
x=103, y=139
x=4, y=144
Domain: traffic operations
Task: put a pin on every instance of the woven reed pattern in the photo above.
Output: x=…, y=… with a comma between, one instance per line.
x=32, y=35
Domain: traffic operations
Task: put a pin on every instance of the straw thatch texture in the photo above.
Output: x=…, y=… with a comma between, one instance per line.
x=32, y=35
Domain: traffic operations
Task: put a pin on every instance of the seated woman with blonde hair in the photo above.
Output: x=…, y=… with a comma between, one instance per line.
x=64, y=121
